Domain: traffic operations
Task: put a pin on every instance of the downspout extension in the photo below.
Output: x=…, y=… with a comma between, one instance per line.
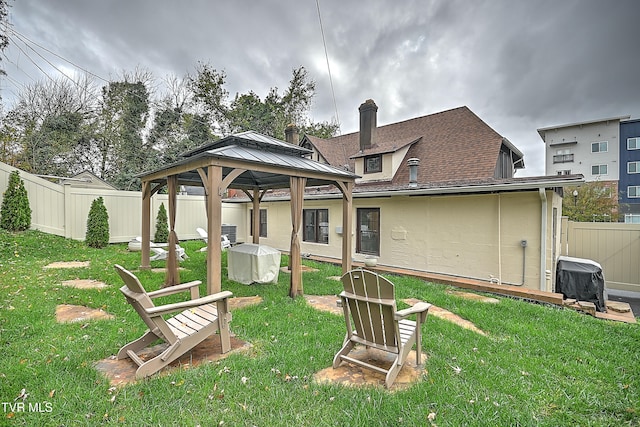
x=543, y=237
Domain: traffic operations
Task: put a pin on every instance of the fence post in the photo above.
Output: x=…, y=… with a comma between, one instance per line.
x=564, y=236
x=68, y=212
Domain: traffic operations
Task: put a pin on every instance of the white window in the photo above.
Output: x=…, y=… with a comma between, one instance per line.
x=633, y=143
x=633, y=191
x=632, y=219
x=599, y=170
x=633, y=167
x=599, y=147
x=565, y=172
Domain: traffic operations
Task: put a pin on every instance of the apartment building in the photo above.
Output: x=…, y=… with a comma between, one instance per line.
x=604, y=150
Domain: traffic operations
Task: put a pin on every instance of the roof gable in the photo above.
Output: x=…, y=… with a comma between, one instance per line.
x=451, y=145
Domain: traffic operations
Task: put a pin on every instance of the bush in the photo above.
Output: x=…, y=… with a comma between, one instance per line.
x=162, y=227
x=15, y=214
x=97, y=225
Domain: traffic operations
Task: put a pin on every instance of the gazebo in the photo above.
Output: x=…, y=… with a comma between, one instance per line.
x=253, y=163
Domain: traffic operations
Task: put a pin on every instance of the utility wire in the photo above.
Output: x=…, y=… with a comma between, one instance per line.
x=22, y=36
x=326, y=55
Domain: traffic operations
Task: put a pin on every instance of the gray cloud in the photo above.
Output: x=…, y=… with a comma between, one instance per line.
x=518, y=65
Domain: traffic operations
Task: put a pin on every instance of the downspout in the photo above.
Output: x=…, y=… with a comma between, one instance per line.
x=543, y=237
x=499, y=240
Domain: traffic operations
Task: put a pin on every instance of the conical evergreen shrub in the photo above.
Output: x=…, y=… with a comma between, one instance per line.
x=162, y=226
x=15, y=214
x=97, y=225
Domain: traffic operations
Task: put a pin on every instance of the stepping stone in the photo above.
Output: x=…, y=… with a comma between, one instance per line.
x=68, y=264
x=241, y=302
x=67, y=313
x=121, y=372
x=618, y=306
x=475, y=297
x=357, y=376
x=587, y=307
x=305, y=269
x=84, y=284
x=164, y=270
x=441, y=313
x=325, y=303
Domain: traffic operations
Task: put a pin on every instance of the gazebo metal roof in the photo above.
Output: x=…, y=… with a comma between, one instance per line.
x=258, y=151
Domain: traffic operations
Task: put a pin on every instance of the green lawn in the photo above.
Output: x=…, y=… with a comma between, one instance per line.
x=538, y=365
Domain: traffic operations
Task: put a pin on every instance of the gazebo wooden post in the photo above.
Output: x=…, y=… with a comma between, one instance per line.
x=145, y=264
x=214, y=229
x=347, y=219
x=256, y=215
x=297, y=185
x=173, y=275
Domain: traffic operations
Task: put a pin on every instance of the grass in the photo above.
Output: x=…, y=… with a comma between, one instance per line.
x=538, y=366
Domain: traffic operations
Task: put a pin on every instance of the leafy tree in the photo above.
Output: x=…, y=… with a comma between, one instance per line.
x=247, y=111
x=49, y=121
x=162, y=226
x=97, y=225
x=126, y=107
x=592, y=202
x=15, y=214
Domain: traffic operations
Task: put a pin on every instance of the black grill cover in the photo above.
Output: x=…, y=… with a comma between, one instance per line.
x=581, y=279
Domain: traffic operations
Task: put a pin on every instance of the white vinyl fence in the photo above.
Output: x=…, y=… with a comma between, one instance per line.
x=63, y=209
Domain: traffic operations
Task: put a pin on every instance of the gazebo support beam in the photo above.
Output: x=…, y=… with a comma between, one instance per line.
x=347, y=218
x=214, y=229
x=173, y=275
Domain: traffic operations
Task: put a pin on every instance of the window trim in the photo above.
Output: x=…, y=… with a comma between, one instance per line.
x=317, y=227
x=636, y=191
x=263, y=225
x=637, y=142
x=600, y=166
x=359, y=212
x=599, y=143
x=365, y=166
x=637, y=165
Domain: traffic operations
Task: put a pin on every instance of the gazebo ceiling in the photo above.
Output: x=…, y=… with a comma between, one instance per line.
x=268, y=163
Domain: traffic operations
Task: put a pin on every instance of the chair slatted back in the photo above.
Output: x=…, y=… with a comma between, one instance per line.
x=140, y=300
x=372, y=306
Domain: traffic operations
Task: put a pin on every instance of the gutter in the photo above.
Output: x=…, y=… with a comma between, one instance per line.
x=543, y=237
x=482, y=188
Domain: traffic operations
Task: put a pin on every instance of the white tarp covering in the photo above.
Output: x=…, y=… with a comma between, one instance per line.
x=250, y=263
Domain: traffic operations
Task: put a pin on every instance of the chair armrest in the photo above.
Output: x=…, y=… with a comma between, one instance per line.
x=178, y=306
x=170, y=290
x=420, y=307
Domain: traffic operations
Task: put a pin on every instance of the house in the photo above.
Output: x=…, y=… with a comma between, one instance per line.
x=86, y=179
x=435, y=193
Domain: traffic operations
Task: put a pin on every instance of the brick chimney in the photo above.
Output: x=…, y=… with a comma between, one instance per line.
x=291, y=134
x=368, y=124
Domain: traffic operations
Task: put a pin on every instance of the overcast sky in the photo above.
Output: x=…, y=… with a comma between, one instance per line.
x=519, y=65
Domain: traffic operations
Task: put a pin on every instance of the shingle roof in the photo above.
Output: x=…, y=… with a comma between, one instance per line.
x=452, y=145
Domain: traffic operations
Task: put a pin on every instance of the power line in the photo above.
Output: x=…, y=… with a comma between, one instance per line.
x=326, y=55
x=22, y=36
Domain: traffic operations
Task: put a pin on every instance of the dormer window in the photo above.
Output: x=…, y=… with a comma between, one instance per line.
x=373, y=163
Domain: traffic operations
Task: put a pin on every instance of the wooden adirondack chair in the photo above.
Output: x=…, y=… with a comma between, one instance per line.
x=199, y=318
x=369, y=306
